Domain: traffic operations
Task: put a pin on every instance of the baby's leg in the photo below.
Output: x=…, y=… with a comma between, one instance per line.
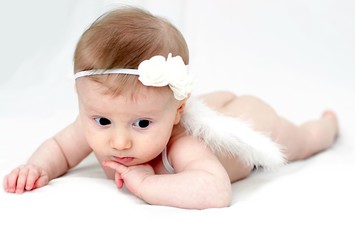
x=299, y=142
x=311, y=137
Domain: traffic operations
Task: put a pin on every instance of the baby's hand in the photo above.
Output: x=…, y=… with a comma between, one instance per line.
x=132, y=176
x=26, y=177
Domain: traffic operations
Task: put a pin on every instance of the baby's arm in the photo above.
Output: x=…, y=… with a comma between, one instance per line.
x=200, y=180
x=53, y=158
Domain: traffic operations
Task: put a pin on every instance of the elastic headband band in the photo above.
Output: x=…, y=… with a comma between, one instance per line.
x=106, y=71
x=155, y=72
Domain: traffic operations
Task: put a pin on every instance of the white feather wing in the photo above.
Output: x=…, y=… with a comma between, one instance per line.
x=230, y=135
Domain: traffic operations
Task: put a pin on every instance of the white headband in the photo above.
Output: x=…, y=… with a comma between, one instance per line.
x=155, y=72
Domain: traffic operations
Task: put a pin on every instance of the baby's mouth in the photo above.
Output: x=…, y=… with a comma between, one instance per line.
x=123, y=160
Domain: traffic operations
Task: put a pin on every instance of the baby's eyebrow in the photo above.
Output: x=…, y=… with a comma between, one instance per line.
x=142, y=109
x=146, y=114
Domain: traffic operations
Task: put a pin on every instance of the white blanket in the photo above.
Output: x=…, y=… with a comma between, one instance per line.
x=296, y=55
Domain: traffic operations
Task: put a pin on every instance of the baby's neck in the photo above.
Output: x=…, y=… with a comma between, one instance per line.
x=178, y=132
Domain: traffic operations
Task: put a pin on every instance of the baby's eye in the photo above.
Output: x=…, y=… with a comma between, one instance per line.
x=103, y=121
x=142, y=123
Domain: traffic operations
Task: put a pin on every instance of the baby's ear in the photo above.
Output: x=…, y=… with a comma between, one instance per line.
x=180, y=110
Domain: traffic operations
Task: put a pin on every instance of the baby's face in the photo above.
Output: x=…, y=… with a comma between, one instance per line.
x=125, y=130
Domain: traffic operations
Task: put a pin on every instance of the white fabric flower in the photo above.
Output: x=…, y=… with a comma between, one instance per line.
x=172, y=72
x=153, y=72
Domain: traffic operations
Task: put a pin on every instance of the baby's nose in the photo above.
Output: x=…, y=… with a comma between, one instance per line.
x=121, y=141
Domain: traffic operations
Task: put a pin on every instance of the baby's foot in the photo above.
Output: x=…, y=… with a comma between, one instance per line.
x=329, y=113
x=332, y=120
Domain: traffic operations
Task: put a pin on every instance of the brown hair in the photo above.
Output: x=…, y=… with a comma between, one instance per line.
x=123, y=38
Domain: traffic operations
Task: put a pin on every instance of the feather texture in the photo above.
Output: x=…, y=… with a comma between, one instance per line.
x=230, y=135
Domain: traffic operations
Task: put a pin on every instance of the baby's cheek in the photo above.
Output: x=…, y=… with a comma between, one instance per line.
x=96, y=143
x=155, y=151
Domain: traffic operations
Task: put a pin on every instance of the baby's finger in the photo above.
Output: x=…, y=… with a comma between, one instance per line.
x=5, y=184
x=42, y=181
x=119, y=181
x=33, y=175
x=115, y=166
x=21, y=180
x=12, y=180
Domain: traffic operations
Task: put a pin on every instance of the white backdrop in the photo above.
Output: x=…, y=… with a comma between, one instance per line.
x=297, y=55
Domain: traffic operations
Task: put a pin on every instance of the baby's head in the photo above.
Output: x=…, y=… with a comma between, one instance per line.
x=124, y=38
x=132, y=83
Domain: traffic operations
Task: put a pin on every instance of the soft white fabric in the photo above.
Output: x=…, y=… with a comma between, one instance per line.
x=166, y=163
x=296, y=55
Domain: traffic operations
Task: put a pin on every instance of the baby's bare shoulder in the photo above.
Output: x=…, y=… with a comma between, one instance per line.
x=185, y=142
x=187, y=149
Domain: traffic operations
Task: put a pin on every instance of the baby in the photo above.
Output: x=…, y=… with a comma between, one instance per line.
x=137, y=116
